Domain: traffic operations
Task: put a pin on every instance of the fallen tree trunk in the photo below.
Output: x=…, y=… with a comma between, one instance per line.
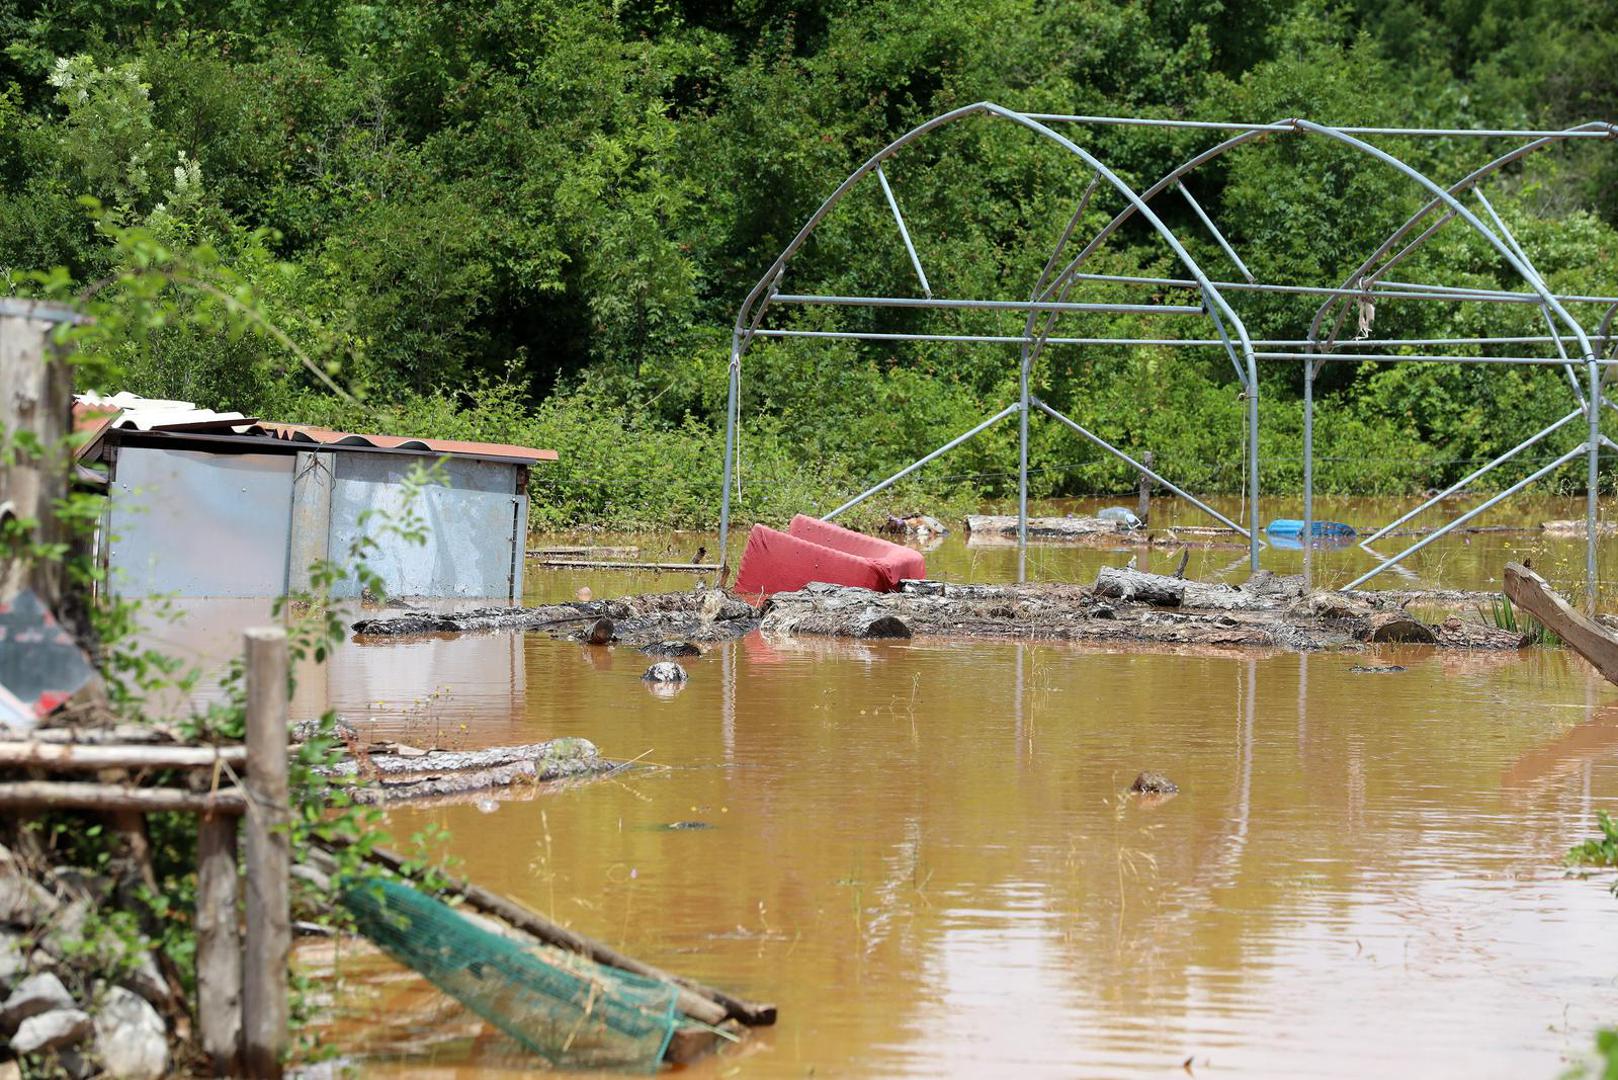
x=1155, y=589
x=1583, y=635
x=1047, y=528
x=1161, y=591
x=563, y=756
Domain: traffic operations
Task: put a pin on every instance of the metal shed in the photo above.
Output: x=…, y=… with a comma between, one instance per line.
x=230, y=507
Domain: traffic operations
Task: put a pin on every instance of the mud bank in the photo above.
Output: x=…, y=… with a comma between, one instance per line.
x=1268, y=611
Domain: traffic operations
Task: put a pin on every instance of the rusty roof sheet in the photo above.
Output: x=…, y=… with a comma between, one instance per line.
x=94, y=415
x=328, y=437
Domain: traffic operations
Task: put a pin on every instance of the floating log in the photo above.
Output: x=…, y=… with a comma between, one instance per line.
x=1161, y=591
x=1385, y=627
x=583, y=552
x=438, y=773
x=1576, y=527
x=1124, y=584
x=65, y=795
x=1047, y=528
x=1583, y=635
x=68, y=757
x=997, y=529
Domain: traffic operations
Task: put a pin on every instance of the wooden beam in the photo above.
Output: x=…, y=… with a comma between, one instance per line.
x=269, y=861
x=71, y=795
x=69, y=757
x=1583, y=635
x=219, y=947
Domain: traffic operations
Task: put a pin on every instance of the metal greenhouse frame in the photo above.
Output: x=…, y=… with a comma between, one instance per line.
x=1581, y=350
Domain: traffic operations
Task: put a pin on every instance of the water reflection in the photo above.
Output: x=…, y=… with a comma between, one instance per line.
x=923, y=852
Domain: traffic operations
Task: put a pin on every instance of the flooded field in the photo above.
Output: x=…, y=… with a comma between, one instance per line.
x=923, y=854
x=1462, y=560
x=922, y=851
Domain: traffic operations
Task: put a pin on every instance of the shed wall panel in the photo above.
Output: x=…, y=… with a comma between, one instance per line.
x=470, y=525
x=199, y=524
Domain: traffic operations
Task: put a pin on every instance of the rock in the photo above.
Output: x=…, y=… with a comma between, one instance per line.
x=36, y=994
x=13, y=961
x=1391, y=626
x=600, y=632
x=50, y=1031
x=23, y=901
x=672, y=648
x=130, y=1037
x=666, y=671
x=75, y=1063
x=1153, y=783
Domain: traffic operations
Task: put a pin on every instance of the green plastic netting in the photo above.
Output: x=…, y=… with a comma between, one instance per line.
x=562, y=1006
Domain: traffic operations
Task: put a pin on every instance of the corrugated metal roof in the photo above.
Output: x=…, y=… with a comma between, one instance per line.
x=325, y=436
x=97, y=415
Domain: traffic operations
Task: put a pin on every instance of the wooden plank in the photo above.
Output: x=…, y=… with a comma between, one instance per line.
x=219, y=947
x=69, y=757
x=65, y=795
x=1583, y=635
x=269, y=862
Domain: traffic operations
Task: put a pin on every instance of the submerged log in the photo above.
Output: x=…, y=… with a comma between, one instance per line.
x=1161, y=591
x=1124, y=584
x=1047, y=528
x=1583, y=635
x=439, y=773
x=1395, y=626
x=696, y=615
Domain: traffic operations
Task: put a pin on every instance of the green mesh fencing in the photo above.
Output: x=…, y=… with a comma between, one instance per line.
x=562, y=1006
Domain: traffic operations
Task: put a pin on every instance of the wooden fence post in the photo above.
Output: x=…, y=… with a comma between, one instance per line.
x=1144, y=507
x=36, y=400
x=269, y=917
x=219, y=945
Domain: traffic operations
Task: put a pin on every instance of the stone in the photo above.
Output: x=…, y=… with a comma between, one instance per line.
x=666, y=671
x=130, y=1038
x=13, y=961
x=36, y=994
x=23, y=901
x=51, y=1031
x=146, y=979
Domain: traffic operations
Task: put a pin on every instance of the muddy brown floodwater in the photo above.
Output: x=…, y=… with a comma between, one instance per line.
x=923, y=852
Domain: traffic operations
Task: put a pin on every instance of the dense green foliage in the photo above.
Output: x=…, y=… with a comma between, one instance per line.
x=534, y=222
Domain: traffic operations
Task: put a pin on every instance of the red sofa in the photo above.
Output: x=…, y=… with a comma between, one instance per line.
x=815, y=550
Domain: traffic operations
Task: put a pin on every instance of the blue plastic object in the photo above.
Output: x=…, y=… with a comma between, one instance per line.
x=1294, y=527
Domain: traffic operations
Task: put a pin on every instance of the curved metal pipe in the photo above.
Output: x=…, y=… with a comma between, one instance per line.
x=1461, y=186
x=1211, y=293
